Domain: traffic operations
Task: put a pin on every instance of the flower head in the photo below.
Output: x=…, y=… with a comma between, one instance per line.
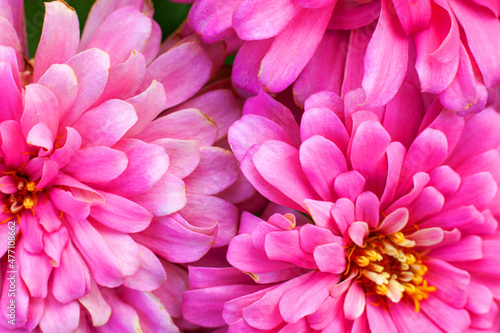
x=314, y=43
x=94, y=185
x=400, y=231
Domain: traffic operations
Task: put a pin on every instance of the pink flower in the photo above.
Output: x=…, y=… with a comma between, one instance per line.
x=313, y=43
x=94, y=184
x=400, y=224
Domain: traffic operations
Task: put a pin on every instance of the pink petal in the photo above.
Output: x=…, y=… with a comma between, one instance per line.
x=32, y=233
x=189, y=124
x=12, y=136
x=220, y=105
x=106, y=124
x=464, y=94
x=184, y=156
x=343, y=214
x=480, y=298
x=40, y=106
x=10, y=95
x=47, y=215
x=35, y=270
x=91, y=69
x=307, y=298
x=169, y=236
x=358, y=43
x=485, y=47
x=121, y=214
x=355, y=301
x=320, y=213
x=322, y=174
x=65, y=153
x=380, y=321
x=256, y=20
x=66, y=202
x=132, y=71
x=325, y=70
x=212, y=18
x=265, y=106
x=276, y=152
x=247, y=64
x=40, y=136
x=301, y=39
x=147, y=163
x=150, y=275
x=358, y=231
x=413, y=17
x=183, y=70
x=403, y=126
x=71, y=278
x=330, y=258
x=347, y=16
x=448, y=318
x=97, y=164
x=60, y=317
x=405, y=319
x=102, y=262
x=54, y=243
x=395, y=157
x=124, y=317
x=468, y=248
x=450, y=282
x=285, y=246
x=367, y=209
x=165, y=197
x=205, y=210
x=478, y=190
x=429, y=202
x=148, y=105
x=62, y=81
x=135, y=30
x=57, y=15
x=394, y=222
x=382, y=64
x=438, y=47
x=216, y=171
x=427, y=237
x=322, y=121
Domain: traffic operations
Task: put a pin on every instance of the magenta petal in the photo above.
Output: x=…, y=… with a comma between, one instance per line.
x=261, y=19
x=413, y=16
x=447, y=317
x=35, y=270
x=285, y=246
x=384, y=64
x=427, y=237
x=32, y=233
x=404, y=317
x=380, y=321
x=121, y=214
x=57, y=15
x=468, y=248
x=330, y=258
x=183, y=70
x=301, y=39
x=184, y=156
x=367, y=209
x=97, y=164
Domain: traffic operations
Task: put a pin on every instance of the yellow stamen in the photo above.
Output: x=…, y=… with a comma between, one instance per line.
x=362, y=261
x=397, y=237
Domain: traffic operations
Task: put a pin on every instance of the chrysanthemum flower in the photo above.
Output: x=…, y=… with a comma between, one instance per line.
x=93, y=187
x=402, y=233
x=456, y=44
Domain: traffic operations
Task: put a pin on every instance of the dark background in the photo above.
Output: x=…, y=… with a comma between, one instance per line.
x=168, y=14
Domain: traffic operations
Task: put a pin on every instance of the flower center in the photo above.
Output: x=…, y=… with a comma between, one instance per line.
x=24, y=198
x=389, y=266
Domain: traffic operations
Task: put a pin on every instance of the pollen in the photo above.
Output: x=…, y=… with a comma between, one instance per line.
x=24, y=198
x=389, y=267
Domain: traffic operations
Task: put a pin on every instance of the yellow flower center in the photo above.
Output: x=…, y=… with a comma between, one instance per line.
x=389, y=266
x=24, y=198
